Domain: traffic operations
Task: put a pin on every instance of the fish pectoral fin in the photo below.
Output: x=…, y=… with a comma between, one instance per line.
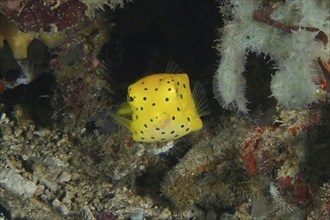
x=121, y=119
x=124, y=109
x=200, y=99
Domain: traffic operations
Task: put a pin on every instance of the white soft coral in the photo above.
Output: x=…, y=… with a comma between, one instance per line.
x=295, y=83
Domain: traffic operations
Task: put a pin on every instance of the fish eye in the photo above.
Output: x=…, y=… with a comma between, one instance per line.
x=131, y=99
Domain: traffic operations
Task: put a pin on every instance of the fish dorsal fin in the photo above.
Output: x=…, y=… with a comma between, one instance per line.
x=200, y=99
x=173, y=67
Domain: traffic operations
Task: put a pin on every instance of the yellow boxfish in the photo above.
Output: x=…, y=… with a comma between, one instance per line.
x=161, y=107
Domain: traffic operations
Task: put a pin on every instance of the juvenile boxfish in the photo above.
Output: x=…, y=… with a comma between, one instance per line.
x=161, y=107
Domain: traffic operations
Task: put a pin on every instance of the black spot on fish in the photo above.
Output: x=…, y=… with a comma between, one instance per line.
x=137, y=117
x=176, y=136
x=188, y=118
x=167, y=99
x=152, y=137
x=172, y=132
x=157, y=129
x=182, y=126
x=163, y=132
x=181, y=96
x=178, y=109
x=187, y=129
x=131, y=99
x=153, y=104
x=168, y=82
x=142, y=82
x=142, y=132
x=173, y=118
x=178, y=83
x=184, y=85
x=169, y=89
x=145, y=89
x=145, y=98
x=156, y=89
x=145, y=125
x=141, y=108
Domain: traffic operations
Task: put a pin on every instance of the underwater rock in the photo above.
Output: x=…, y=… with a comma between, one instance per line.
x=14, y=182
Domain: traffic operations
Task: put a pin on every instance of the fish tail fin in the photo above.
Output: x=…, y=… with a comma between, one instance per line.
x=122, y=120
x=121, y=114
x=124, y=109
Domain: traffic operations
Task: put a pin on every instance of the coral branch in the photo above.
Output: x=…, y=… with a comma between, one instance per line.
x=263, y=15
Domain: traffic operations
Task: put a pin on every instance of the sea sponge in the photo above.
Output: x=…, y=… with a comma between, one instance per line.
x=19, y=41
x=295, y=52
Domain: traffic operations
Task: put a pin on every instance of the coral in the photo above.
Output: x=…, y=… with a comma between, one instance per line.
x=244, y=160
x=93, y=5
x=295, y=50
x=322, y=207
x=17, y=40
x=45, y=21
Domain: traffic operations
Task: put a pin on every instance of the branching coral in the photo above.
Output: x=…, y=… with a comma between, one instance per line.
x=289, y=34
